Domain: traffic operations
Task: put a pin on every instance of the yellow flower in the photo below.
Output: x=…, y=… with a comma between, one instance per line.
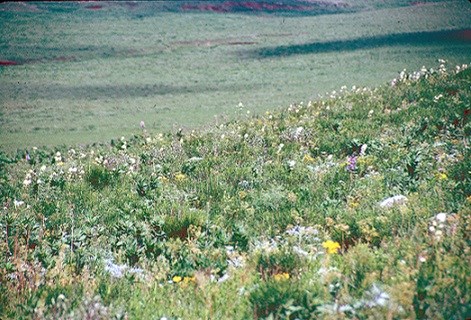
x=331, y=246
x=308, y=158
x=189, y=279
x=242, y=195
x=180, y=177
x=163, y=179
x=281, y=276
x=441, y=176
x=353, y=204
x=177, y=279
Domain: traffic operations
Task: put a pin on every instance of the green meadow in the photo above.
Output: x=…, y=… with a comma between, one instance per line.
x=235, y=160
x=356, y=206
x=88, y=73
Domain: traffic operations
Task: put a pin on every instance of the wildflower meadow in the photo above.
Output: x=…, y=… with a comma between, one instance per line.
x=354, y=206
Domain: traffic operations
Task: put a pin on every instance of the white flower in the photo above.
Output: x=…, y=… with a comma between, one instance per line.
x=377, y=297
x=73, y=170
x=280, y=147
x=441, y=217
x=393, y=201
x=224, y=278
x=291, y=164
x=18, y=203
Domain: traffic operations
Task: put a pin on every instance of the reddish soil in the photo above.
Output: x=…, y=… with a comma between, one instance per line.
x=94, y=7
x=8, y=63
x=464, y=35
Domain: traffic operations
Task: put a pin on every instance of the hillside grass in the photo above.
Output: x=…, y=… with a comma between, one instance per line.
x=287, y=214
x=90, y=75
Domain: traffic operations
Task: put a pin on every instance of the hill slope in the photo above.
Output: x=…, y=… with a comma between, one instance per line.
x=357, y=206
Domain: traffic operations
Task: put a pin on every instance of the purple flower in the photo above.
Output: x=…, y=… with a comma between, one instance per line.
x=352, y=163
x=28, y=157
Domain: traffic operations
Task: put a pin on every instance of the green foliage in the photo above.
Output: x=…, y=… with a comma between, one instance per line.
x=99, y=177
x=289, y=214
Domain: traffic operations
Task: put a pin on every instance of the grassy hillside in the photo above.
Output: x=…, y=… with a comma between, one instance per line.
x=81, y=72
x=356, y=206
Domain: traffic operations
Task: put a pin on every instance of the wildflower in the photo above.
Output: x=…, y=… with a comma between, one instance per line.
x=281, y=276
x=377, y=297
x=307, y=158
x=301, y=231
x=224, y=278
x=58, y=157
x=244, y=184
x=115, y=270
x=163, y=179
x=142, y=124
x=28, y=157
x=441, y=217
x=296, y=134
x=72, y=170
x=187, y=279
x=393, y=201
x=279, y=148
x=352, y=163
x=177, y=279
x=180, y=177
x=331, y=246
x=291, y=164
x=441, y=176
x=353, y=204
x=18, y=203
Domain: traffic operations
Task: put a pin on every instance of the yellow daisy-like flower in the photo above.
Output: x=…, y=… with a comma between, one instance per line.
x=177, y=279
x=441, y=176
x=163, y=179
x=180, y=177
x=331, y=246
x=281, y=276
x=189, y=279
x=353, y=204
x=308, y=158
